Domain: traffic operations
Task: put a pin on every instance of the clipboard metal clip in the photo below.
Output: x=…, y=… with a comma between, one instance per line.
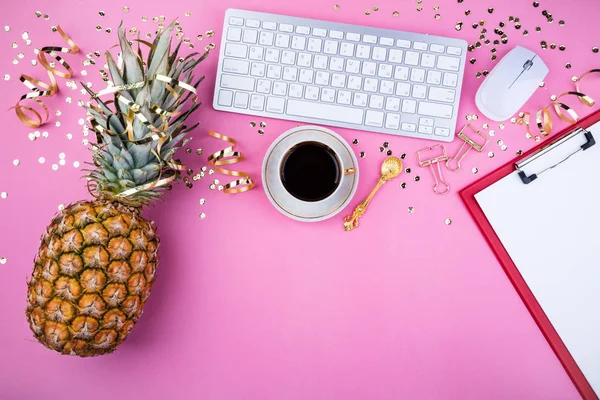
x=438, y=177
x=527, y=179
x=467, y=141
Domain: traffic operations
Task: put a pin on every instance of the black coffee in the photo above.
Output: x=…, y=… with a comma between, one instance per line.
x=310, y=171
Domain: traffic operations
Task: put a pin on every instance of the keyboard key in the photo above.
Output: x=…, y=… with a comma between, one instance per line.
x=296, y=90
x=353, y=37
x=331, y=47
x=392, y=121
x=403, y=89
x=385, y=71
x=258, y=69
x=282, y=40
x=280, y=88
x=336, y=64
x=441, y=94
x=434, y=77
x=374, y=118
x=272, y=55
x=338, y=80
x=379, y=53
x=286, y=28
x=303, y=30
x=322, y=78
x=290, y=74
x=395, y=56
x=392, y=104
x=420, y=46
x=370, y=85
x=257, y=102
x=253, y=23
x=319, y=32
x=405, y=44
x=435, y=110
x=256, y=53
x=455, y=51
x=237, y=82
x=312, y=93
x=387, y=87
x=320, y=62
x=304, y=60
x=298, y=42
x=442, y=132
x=363, y=51
x=328, y=95
x=241, y=100
x=314, y=45
x=428, y=130
x=276, y=104
x=270, y=26
x=360, y=99
x=288, y=57
x=266, y=38
x=370, y=39
x=274, y=71
x=236, y=50
x=353, y=66
x=386, y=41
x=250, y=36
x=376, y=101
x=448, y=63
x=344, y=97
x=450, y=79
x=409, y=106
x=427, y=60
x=234, y=34
x=406, y=126
x=347, y=49
x=236, y=66
x=411, y=58
x=306, y=76
x=369, y=68
x=436, y=48
x=327, y=112
x=336, y=34
x=237, y=21
x=225, y=98
x=354, y=82
x=401, y=73
x=263, y=86
x=426, y=121
x=419, y=91
x=417, y=75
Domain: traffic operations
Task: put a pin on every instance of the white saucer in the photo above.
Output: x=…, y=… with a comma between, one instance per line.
x=303, y=210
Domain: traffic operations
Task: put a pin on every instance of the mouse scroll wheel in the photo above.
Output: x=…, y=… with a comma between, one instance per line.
x=528, y=64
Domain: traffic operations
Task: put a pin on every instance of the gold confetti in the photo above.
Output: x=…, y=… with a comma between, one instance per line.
x=2, y=260
x=403, y=185
x=375, y=8
x=525, y=32
x=6, y=77
x=368, y=11
x=252, y=124
x=261, y=132
x=475, y=25
x=595, y=49
x=458, y=25
x=4, y=195
x=55, y=167
x=491, y=10
x=475, y=117
x=503, y=147
x=41, y=160
x=501, y=126
x=474, y=170
x=552, y=46
x=389, y=152
x=108, y=30
x=38, y=14
x=473, y=60
x=381, y=149
x=538, y=29
x=561, y=23
x=125, y=9
x=336, y=7
x=16, y=162
x=417, y=178
x=263, y=124
x=419, y=8
x=386, y=144
x=491, y=154
x=355, y=141
x=395, y=14
x=202, y=201
x=467, y=12
x=562, y=47
x=144, y=19
x=76, y=164
x=436, y=7
x=202, y=215
x=411, y=210
x=188, y=13
x=568, y=65
x=101, y=13
x=536, y=4
x=437, y=16
x=362, y=154
x=492, y=132
x=7, y=28
x=448, y=221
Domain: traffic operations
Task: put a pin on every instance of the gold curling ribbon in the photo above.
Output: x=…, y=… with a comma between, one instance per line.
x=543, y=117
x=229, y=156
x=42, y=89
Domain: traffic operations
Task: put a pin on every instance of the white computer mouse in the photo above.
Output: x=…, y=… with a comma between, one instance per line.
x=510, y=84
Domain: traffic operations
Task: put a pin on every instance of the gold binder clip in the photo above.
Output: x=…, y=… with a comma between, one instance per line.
x=467, y=142
x=438, y=177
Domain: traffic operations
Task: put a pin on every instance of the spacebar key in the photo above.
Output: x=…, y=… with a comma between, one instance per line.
x=325, y=111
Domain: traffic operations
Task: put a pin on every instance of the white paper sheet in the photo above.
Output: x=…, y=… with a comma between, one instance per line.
x=551, y=230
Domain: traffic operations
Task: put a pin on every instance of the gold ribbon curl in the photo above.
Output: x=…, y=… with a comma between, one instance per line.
x=543, y=116
x=42, y=89
x=229, y=156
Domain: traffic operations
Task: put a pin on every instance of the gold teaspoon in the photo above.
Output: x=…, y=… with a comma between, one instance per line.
x=390, y=169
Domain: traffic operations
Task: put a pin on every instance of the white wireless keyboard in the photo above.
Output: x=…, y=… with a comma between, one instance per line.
x=350, y=76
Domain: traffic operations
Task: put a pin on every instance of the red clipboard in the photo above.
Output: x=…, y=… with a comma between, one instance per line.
x=468, y=197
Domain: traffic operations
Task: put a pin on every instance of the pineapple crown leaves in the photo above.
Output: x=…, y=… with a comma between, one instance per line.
x=146, y=126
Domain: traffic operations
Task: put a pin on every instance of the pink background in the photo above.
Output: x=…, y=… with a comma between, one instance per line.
x=251, y=305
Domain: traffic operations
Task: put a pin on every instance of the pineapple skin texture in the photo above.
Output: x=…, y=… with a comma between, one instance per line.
x=92, y=276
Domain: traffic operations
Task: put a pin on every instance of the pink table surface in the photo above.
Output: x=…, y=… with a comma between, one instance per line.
x=251, y=305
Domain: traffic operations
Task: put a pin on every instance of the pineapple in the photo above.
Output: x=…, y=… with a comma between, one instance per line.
x=96, y=264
